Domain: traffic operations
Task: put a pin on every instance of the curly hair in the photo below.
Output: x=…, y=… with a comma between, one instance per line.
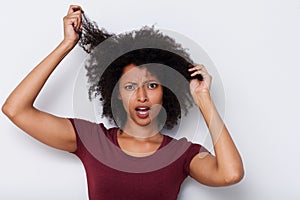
x=111, y=53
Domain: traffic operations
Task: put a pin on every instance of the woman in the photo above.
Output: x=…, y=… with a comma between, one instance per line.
x=142, y=93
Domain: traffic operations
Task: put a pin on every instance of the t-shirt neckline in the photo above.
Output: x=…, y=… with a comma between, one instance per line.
x=115, y=140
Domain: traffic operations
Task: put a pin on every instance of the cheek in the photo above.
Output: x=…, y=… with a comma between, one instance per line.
x=156, y=97
x=126, y=98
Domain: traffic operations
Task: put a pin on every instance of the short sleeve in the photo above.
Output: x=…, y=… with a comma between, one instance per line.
x=86, y=134
x=91, y=138
x=79, y=145
x=190, y=153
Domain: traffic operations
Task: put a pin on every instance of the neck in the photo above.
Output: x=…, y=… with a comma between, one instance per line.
x=141, y=132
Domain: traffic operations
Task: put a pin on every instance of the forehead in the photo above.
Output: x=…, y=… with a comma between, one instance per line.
x=133, y=73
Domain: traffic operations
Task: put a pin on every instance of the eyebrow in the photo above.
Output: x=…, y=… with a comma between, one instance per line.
x=148, y=81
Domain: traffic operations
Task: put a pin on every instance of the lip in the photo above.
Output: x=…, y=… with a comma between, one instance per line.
x=142, y=111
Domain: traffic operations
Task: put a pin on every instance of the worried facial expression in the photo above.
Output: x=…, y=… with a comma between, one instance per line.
x=141, y=94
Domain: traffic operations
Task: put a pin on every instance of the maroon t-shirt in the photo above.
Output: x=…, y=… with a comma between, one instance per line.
x=113, y=174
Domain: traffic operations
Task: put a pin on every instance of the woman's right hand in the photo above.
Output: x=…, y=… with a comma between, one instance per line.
x=72, y=24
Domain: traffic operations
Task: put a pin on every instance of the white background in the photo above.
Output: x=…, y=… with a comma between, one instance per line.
x=254, y=45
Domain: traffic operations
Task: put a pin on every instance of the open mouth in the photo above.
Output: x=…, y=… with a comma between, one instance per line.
x=142, y=108
x=142, y=111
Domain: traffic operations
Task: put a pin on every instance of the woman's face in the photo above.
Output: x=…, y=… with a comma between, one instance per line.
x=141, y=94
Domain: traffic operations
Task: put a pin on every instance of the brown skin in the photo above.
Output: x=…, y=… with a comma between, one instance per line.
x=226, y=167
x=223, y=169
x=139, y=88
x=49, y=129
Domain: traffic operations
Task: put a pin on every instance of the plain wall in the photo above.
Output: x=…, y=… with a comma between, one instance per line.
x=254, y=45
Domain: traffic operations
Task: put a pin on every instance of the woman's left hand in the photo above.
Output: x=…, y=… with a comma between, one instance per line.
x=198, y=87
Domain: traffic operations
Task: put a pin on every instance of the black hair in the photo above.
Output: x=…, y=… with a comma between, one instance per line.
x=110, y=53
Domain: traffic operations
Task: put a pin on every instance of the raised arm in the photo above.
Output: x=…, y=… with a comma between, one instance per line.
x=226, y=167
x=49, y=129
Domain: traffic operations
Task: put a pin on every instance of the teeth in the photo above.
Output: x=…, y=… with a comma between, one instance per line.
x=142, y=109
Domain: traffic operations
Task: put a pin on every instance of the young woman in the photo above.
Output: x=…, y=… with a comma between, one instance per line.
x=133, y=160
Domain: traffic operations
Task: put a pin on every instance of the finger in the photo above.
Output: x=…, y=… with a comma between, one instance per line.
x=74, y=20
x=71, y=21
x=192, y=70
x=198, y=72
x=200, y=67
x=74, y=8
x=78, y=15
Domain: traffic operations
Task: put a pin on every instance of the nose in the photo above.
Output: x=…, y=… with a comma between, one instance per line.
x=141, y=94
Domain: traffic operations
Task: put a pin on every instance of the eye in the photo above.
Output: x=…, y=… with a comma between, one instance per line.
x=152, y=85
x=129, y=87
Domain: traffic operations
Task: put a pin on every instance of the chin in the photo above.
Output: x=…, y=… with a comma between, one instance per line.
x=143, y=122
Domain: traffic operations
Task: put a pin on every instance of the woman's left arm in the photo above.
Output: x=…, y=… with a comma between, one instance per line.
x=226, y=167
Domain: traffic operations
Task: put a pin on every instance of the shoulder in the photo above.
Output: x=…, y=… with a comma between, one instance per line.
x=89, y=129
x=90, y=134
x=180, y=141
x=82, y=124
x=86, y=129
x=182, y=146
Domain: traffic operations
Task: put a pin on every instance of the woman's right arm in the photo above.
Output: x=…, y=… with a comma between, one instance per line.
x=52, y=130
